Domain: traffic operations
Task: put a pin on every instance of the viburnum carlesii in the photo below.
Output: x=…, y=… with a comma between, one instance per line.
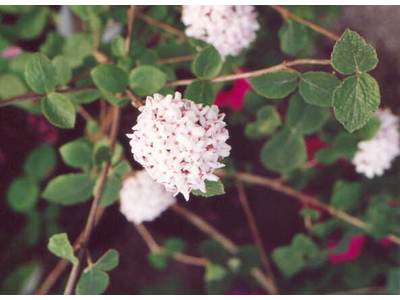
x=179, y=142
x=376, y=155
x=142, y=199
x=229, y=28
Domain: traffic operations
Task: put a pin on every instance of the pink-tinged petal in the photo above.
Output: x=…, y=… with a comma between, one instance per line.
x=11, y=52
x=354, y=250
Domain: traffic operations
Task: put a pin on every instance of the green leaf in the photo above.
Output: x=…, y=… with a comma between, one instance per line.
x=215, y=272
x=40, y=74
x=18, y=64
x=356, y=100
x=213, y=188
x=60, y=246
x=10, y=86
x=83, y=97
x=293, y=37
x=40, y=162
x=250, y=258
x=288, y=261
x=93, y=281
x=268, y=120
x=275, y=85
x=76, y=48
x=201, y=91
x=381, y=217
x=110, y=78
x=214, y=251
x=31, y=25
x=351, y=54
x=77, y=154
x=369, y=131
x=306, y=118
x=174, y=245
x=102, y=152
x=118, y=46
x=111, y=190
x=303, y=244
x=53, y=44
x=284, y=152
x=208, y=63
x=19, y=281
x=108, y=261
x=86, y=11
x=122, y=168
x=149, y=57
x=310, y=213
x=58, y=110
x=317, y=88
x=69, y=189
x=22, y=194
x=64, y=71
x=159, y=261
x=126, y=63
x=146, y=80
x=345, y=145
x=346, y=195
x=393, y=282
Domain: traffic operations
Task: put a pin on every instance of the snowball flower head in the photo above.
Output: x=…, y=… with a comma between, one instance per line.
x=229, y=28
x=376, y=155
x=142, y=199
x=179, y=142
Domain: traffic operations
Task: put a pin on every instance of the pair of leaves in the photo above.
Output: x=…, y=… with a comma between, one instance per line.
x=172, y=246
x=295, y=257
x=23, y=192
x=356, y=100
x=94, y=280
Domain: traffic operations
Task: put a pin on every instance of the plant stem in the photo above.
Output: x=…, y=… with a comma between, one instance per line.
x=35, y=96
x=95, y=204
x=285, y=13
x=280, y=187
x=254, y=231
x=155, y=248
x=202, y=225
x=131, y=19
x=162, y=25
x=175, y=59
x=282, y=66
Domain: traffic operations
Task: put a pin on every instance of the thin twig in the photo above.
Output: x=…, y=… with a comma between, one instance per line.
x=135, y=101
x=175, y=59
x=280, y=187
x=155, y=248
x=362, y=291
x=95, y=204
x=35, y=96
x=287, y=14
x=84, y=113
x=226, y=242
x=131, y=19
x=162, y=25
x=255, y=232
x=282, y=66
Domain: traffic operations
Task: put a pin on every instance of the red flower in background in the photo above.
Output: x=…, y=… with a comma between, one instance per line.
x=235, y=97
x=46, y=132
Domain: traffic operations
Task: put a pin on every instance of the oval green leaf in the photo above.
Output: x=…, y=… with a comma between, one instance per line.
x=40, y=74
x=58, y=110
x=146, y=80
x=110, y=78
x=208, y=63
x=275, y=85
x=201, y=91
x=317, y=88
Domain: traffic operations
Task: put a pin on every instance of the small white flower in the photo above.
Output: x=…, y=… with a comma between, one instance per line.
x=142, y=199
x=229, y=28
x=376, y=155
x=179, y=142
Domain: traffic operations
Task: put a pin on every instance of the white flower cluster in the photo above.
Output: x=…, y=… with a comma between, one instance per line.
x=229, y=28
x=142, y=199
x=376, y=155
x=179, y=142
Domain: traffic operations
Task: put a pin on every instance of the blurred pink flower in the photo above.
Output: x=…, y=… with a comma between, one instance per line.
x=235, y=97
x=11, y=52
x=46, y=132
x=351, y=253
